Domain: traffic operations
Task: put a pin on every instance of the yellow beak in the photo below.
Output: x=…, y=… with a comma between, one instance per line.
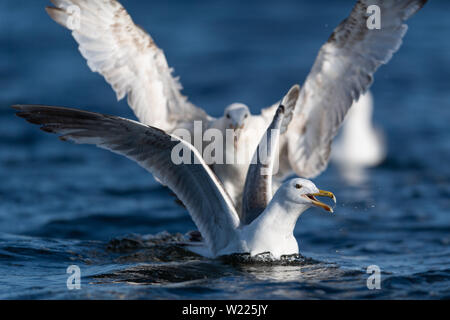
x=317, y=203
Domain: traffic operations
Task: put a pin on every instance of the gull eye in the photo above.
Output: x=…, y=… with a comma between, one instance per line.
x=298, y=186
x=228, y=116
x=246, y=116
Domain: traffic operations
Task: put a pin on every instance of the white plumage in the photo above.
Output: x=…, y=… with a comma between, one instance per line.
x=268, y=229
x=133, y=65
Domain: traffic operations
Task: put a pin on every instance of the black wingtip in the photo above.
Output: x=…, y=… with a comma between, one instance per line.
x=28, y=118
x=21, y=114
x=47, y=129
x=17, y=107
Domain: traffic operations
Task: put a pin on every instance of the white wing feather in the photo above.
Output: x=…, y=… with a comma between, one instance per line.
x=343, y=70
x=129, y=60
x=194, y=184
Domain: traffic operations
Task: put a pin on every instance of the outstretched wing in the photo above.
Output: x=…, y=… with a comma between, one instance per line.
x=194, y=184
x=258, y=184
x=129, y=60
x=343, y=70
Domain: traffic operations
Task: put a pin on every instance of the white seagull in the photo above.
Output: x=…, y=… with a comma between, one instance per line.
x=267, y=223
x=129, y=60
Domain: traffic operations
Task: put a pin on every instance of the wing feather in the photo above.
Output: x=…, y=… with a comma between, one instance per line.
x=194, y=184
x=343, y=70
x=258, y=184
x=129, y=60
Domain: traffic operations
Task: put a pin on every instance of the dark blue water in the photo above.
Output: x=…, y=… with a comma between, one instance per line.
x=63, y=204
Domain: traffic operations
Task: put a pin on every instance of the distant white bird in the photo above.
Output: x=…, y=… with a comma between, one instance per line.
x=267, y=223
x=133, y=65
x=359, y=144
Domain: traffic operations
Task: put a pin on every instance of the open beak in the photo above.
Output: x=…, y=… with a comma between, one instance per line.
x=317, y=203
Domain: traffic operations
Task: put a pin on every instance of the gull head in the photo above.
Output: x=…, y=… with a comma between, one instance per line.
x=304, y=192
x=236, y=117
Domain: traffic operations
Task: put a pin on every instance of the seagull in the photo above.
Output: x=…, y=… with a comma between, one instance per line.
x=267, y=223
x=131, y=62
x=359, y=144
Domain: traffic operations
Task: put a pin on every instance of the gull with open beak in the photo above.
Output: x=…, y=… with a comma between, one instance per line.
x=266, y=224
x=132, y=63
x=273, y=230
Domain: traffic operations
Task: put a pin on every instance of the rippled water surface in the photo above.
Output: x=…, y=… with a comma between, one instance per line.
x=64, y=205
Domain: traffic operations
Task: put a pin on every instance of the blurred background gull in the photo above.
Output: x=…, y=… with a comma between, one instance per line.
x=360, y=145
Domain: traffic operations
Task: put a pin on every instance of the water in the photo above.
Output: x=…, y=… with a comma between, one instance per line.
x=63, y=204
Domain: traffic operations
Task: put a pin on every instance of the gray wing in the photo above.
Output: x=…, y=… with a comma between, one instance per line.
x=343, y=70
x=194, y=184
x=129, y=60
x=258, y=183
